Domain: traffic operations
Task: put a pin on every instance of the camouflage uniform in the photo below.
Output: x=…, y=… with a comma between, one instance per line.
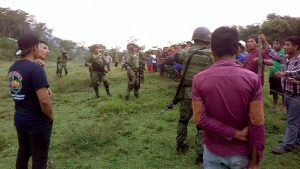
x=132, y=64
x=201, y=60
x=98, y=73
x=62, y=63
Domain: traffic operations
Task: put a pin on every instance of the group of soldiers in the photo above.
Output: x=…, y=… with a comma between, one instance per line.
x=194, y=59
x=98, y=67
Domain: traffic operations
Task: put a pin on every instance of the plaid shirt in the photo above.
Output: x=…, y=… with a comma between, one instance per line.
x=289, y=65
x=293, y=73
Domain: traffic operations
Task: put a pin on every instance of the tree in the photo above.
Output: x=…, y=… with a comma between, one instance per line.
x=249, y=30
x=276, y=29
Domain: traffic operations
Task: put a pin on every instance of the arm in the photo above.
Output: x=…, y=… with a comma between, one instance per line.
x=293, y=73
x=45, y=102
x=256, y=125
x=256, y=133
x=214, y=126
x=209, y=124
x=269, y=51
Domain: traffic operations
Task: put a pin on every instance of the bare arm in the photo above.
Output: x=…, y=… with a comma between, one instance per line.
x=45, y=102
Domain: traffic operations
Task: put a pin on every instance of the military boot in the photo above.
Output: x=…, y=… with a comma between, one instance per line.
x=107, y=92
x=136, y=95
x=96, y=92
x=199, y=159
x=182, y=147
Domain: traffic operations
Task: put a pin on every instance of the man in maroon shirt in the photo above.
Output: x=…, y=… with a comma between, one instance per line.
x=228, y=106
x=253, y=57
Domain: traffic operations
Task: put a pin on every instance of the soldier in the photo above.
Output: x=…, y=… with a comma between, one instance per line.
x=132, y=65
x=199, y=58
x=141, y=64
x=96, y=64
x=62, y=63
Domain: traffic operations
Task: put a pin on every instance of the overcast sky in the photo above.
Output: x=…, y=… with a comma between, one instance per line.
x=153, y=22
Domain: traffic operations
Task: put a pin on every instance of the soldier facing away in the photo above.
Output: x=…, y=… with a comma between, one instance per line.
x=96, y=64
x=199, y=58
x=133, y=74
x=62, y=63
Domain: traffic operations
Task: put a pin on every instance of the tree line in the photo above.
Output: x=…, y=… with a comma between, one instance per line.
x=14, y=23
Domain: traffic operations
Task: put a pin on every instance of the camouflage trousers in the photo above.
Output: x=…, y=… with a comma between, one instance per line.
x=171, y=73
x=133, y=83
x=97, y=78
x=60, y=67
x=186, y=113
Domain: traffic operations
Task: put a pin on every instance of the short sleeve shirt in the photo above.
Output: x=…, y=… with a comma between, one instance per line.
x=24, y=79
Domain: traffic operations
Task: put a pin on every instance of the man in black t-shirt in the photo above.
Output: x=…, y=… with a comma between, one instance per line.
x=33, y=117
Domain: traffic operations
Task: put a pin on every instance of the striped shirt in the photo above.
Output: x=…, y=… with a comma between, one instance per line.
x=292, y=64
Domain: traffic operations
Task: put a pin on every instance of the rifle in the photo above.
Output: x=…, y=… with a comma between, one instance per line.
x=177, y=99
x=260, y=60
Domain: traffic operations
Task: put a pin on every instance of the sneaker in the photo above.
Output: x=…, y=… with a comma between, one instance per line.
x=281, y=149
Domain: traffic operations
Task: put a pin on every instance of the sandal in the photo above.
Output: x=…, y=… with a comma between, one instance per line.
x=280, y=150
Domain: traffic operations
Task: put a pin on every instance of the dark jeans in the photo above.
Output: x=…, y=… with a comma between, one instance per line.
x=35, y=145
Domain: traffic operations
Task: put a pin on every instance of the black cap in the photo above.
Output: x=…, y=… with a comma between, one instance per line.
x=25, y=43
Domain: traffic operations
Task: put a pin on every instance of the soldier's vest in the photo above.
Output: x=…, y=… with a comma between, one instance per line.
x=64, y=58
x=201, y=60
x=133, y=61
x=97, y=63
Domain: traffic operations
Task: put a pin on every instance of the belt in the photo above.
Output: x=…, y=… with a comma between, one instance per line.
x=288, y=93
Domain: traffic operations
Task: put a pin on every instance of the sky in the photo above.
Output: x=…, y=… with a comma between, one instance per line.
x=153, y=22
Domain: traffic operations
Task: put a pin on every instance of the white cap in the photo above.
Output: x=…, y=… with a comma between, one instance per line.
x=242, y=43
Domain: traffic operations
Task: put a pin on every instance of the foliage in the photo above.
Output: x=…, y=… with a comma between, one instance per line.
x=275, y=27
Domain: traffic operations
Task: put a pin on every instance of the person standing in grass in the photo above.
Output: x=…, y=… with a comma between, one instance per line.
x=291, y=90
x=199, y=58
x=33, y=117
x=228, y=107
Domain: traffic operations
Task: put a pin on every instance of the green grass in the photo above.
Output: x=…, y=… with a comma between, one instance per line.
x=112, y=133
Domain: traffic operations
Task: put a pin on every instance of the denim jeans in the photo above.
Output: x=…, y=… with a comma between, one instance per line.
x=212, y=161
x=292, y=133
x=35, y=145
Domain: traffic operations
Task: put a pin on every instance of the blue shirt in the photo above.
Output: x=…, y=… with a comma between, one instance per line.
x=241, y=58
x=25, y=78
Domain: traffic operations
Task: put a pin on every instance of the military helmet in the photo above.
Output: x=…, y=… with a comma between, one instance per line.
x=130, y=46
x=202, y=33
x=63, y=51
x=93, y=47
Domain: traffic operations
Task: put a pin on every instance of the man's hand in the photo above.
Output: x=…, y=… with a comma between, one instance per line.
x=292, y=80
x=264, y=41
x=255, y=60
x=242, y=134
x=280, y=74
x=39, y=62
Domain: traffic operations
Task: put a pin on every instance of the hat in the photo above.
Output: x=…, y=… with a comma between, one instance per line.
x=242, y=43
x=25, y=43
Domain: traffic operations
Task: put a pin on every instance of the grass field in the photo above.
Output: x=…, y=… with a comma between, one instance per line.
x=110, y=133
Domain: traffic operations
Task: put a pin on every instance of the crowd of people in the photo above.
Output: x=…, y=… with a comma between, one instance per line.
x=221, y=81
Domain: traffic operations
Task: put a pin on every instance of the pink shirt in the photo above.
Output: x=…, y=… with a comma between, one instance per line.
x=226, y=90
x=252, y=66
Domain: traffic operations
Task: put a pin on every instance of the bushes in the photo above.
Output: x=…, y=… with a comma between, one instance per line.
x=8, y=48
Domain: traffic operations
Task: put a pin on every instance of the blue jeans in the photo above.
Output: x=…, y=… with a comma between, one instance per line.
x=212, y=161
x=292, y=133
